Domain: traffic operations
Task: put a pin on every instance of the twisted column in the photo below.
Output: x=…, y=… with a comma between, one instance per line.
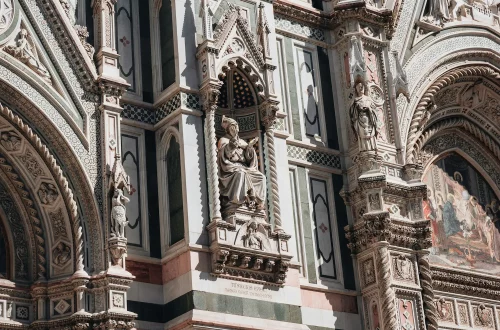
x=386, y=293
x=272, y=177
x=211, y=95
x=427, y=293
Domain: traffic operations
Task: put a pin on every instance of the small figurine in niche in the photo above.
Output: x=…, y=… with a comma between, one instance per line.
x=118, y=214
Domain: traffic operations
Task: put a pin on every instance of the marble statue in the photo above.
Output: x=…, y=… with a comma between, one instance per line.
x=240, y=180
x=364, y=120
x=25, y=51
x=439, y=11
x=118, y=211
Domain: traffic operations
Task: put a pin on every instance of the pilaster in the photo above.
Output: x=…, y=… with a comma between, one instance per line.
x=389, y=235
x=110, y=287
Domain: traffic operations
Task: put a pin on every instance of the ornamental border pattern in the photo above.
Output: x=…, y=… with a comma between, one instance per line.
x=297, y=28
x=154, y=116
x=314, y=156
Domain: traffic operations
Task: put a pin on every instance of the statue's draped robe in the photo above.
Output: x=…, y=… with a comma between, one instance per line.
x=238, y=172
x=364, y=122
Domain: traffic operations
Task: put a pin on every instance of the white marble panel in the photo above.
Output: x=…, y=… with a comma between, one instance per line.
x=145, y=292
x=195, y=184
x=330, y=319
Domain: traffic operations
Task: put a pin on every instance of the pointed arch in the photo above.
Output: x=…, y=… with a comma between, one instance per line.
x=59, y=216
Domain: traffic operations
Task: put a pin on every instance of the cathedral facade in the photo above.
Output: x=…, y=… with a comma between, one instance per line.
x=243, y=164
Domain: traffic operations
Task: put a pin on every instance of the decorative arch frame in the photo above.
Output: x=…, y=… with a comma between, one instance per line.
x=446, y=55
x=234, y=45
x=33, y=144
x=76, y=148
x=216, y=55
x=423, y=117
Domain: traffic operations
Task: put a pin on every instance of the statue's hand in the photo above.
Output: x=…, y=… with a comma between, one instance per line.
x=253, y=141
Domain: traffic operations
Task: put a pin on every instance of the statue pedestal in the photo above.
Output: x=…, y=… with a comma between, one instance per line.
x=117, y=250
x=244, y=247
x=368, y=162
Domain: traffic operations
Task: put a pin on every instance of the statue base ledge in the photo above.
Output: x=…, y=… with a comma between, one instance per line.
x=248, y=250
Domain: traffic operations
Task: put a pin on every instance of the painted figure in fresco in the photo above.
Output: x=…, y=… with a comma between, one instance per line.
x=451, y=223
x=240, y=180
x=25, y=51
x=118, y=214
x=465, y=231
x=364, y=120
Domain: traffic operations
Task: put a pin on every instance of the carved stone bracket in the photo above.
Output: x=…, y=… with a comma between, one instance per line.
x=258, y=255
x=378, y=227
x=118, y=249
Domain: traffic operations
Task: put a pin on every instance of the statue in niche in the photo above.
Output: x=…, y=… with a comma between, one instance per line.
x=25, y=51
x=364, y=120
x=240, y=180
x=439, y=12
x=118, y=214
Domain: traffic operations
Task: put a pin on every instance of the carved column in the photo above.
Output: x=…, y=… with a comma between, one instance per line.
x=210, y=94
x=427, y=291
x=387, y=296
x=268, y=113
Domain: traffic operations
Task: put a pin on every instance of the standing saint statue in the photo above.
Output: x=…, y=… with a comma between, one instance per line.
x=439, y=11
x=364, y=120
x=118, y=214
x=240, y=180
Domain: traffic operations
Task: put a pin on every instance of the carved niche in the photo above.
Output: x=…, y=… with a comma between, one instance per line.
x=247, y=241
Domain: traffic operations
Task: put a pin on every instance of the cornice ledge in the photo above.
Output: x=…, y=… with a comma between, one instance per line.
x=353, y=9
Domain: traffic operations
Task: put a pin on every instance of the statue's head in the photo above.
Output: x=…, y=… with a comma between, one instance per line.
x=230, y=126
x=117, y=193
x=360, y=88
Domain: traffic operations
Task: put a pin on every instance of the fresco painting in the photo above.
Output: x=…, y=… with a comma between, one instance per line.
x=464, y=214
